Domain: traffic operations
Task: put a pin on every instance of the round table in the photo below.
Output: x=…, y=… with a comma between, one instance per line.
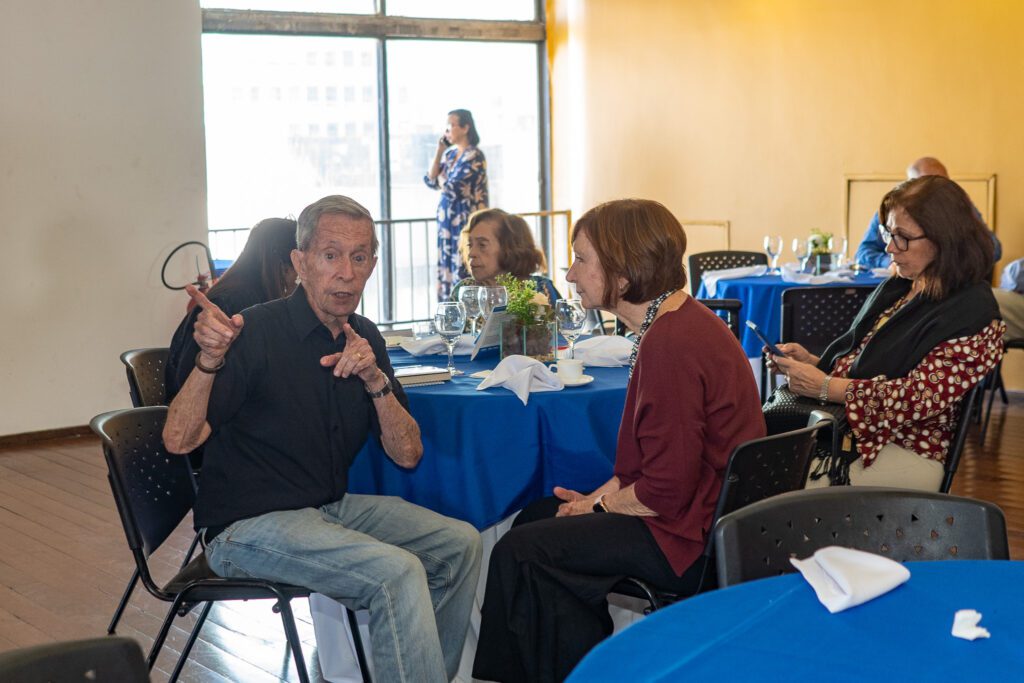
x=762, y=303
x=776, y=630
x=486, y=455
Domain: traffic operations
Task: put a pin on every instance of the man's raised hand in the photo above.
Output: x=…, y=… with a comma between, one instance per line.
x=214, y=330
x=357, y=358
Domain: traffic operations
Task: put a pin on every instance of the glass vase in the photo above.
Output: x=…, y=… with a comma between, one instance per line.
x=538, y=340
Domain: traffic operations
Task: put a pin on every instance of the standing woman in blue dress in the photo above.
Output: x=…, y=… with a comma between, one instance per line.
x=459, y=170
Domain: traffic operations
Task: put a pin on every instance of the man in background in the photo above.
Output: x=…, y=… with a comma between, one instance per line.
x=871, y=252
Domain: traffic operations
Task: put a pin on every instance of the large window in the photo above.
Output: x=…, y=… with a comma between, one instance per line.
x=301, y=104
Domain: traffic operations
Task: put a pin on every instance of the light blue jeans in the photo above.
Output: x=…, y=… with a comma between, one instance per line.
x=414, y=570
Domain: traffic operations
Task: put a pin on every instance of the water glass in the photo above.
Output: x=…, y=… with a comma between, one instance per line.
x=450, y=321
x=491, y=298
x=470, y=298
x=773, y=247
x=571, y=317
x=802, y=252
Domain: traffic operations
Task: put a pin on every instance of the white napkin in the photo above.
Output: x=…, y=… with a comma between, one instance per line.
x=522, y=375
x=844, y=578
x=711, y=277
x=965, y=625
x=434, y=345
x=880, y=272
x=609, y=351
x=790, y=274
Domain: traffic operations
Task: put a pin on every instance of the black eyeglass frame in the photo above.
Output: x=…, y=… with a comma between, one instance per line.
x=901, y=241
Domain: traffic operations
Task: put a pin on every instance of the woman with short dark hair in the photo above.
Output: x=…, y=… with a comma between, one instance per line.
x=496, y=242
x=691, y=400
x=459, y=170
x=917, y=346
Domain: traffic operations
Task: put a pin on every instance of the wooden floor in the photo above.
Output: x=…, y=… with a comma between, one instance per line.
x=64, y=561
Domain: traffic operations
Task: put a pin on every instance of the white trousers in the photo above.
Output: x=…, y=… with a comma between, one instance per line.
x=896, y=467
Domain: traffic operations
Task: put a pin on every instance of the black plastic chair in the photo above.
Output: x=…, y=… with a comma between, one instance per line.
x=903, y=525
x=995, y=383
x=147, y=386
x=720, y=260
x=146, y=379
x=154, y=492
x=731, y=308
x=963, y=425
x=95, y=659
x=814, y=317
x=757, y=470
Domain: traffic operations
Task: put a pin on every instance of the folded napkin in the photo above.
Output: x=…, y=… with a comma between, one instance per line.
x=522, y=375
x=965, y=625
x=791, y=274
x=880, y=272
x=711, y=277
x=844, y=578
x=609, y=351
x=434, y=345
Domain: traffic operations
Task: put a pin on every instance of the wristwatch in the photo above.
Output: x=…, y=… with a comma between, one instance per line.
x=384, y=390
x=599, y=505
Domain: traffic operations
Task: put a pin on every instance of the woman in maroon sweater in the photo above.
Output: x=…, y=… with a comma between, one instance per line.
x=691, y=400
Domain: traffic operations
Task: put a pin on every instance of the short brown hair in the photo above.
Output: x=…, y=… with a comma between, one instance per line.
x=640, y=241
x=517, y=253
x=963, y=248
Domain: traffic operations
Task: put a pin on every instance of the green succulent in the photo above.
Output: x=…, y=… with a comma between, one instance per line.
x=524, y=303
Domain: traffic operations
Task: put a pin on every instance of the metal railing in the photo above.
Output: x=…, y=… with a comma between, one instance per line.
x=403, y=287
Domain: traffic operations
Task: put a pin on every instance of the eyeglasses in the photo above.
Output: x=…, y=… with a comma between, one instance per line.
x=901, y=241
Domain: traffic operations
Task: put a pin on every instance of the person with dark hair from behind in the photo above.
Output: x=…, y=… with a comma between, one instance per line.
x=872, y=254
x=262, y=272
x=496, y=242
x=923, y=338
x=459, y=170
x=691, y=400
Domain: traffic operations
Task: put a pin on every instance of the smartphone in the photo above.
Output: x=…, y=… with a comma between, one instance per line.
x=444, y=140
x=764, y=340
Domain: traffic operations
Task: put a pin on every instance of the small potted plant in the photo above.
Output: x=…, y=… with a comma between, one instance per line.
x=531, y=330
x=820, y=244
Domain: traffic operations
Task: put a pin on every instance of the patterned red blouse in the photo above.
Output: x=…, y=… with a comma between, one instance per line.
x=918, y=412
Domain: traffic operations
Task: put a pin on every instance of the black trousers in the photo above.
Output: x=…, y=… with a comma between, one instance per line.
x=545, y=605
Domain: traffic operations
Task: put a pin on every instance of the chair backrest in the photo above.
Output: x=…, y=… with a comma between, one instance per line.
x=720, y=260
x=758, y=541
x=110, y=658
x=814, y=316
x=146, y=379
x=153, y=489
x=963, y=425
x=763, y=468
x=731, y=307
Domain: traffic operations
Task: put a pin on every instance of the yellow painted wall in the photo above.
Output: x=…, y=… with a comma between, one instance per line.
x=753, y=110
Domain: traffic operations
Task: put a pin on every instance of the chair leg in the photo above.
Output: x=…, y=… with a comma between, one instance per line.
x=161, y=636
x=128, y=590
x=353, y=624
x=185, y=651
x=988, y=414
x=292, y=635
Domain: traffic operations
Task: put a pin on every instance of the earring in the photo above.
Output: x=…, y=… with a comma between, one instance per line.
x=298, y=280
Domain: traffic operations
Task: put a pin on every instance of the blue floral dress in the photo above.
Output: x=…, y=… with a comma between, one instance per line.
x=463, y=185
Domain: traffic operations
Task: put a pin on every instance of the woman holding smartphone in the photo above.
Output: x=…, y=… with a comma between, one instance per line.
x=459, y=171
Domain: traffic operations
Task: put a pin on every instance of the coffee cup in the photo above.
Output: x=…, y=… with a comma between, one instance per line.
x=569, y=369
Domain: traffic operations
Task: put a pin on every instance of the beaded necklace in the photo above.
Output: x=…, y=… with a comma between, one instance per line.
x=652, y=311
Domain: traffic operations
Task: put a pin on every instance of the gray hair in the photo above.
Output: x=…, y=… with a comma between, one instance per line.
x=331, y=204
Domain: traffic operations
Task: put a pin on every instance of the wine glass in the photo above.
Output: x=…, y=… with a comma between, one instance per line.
x=491, y=298
x=773, y=247
x=470, y=298
x=571, y=317
x=450, y=321
x=802, y=252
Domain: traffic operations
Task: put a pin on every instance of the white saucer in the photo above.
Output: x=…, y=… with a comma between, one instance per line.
x=585, y=379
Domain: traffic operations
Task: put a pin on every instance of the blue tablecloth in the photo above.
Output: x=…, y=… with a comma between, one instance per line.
x=776, y=630
x=762, y=303
x=486, y=455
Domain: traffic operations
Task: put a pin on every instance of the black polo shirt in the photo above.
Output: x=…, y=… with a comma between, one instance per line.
x=285, y=430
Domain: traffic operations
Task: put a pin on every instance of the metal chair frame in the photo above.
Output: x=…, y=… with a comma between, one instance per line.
x=731, y=307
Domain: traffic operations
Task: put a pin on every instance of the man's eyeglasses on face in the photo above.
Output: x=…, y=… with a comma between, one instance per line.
x=898, y=239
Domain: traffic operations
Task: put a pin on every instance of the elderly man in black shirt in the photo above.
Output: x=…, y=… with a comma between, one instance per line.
x=284, y=396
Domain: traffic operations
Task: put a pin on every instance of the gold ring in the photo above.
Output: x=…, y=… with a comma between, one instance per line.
x=359, y=356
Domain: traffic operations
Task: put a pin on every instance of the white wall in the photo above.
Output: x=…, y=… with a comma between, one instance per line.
x=102, y=172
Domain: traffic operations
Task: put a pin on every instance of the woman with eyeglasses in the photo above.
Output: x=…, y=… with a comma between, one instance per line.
x=920, y=342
